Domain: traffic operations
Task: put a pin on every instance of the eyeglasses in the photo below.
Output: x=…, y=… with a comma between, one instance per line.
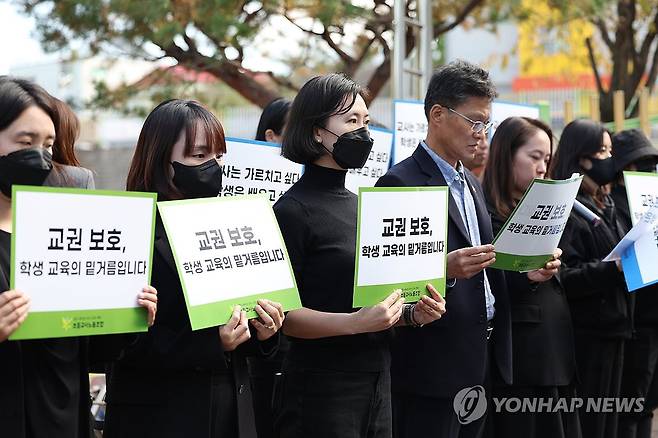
x=478, y=126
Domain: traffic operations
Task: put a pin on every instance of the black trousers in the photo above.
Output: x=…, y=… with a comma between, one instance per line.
x=639, y=376
x=416, y=416
x=599, y=363
x=182, y=414
x=333, y=404
x=521, y=424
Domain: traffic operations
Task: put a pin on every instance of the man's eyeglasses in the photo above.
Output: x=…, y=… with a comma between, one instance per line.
x=477, y=126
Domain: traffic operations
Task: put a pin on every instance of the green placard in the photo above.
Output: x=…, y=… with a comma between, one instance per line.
x=519, y=262
x=412, y=291
x=68, y=323
x=219, y=312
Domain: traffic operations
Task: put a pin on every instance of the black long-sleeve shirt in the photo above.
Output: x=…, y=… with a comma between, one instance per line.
x=317, y=216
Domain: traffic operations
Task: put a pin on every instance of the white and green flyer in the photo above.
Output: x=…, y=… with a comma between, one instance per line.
x=82, y=256
x=229, y=251
x=533, y=230
x=401, y=242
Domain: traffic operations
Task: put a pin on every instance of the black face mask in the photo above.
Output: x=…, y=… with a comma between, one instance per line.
x=27, y=167
x=200, y=181
x=602, y=171
x=352, y=149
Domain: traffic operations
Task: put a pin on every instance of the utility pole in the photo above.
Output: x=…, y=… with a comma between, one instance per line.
x=412, y=73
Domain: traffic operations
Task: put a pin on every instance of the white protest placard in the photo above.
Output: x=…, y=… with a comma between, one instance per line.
x=377, y=164
x=256, y=167
x=638, y=251
x=228, y=251
x=501, y=110
x=410, y=127
x=533, y=230
x=82, y=256
x=642, y=193
x=401, y=242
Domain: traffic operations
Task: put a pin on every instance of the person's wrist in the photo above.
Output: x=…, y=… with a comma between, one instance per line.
x=412, y=317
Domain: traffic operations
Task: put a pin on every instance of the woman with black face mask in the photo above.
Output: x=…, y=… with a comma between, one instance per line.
x=44, y=383
x=173, y=381
x=601, y=307
x=336, y=380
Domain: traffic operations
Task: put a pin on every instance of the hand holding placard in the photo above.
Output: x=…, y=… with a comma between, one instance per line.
x=14, y=306
x=549, y=270
x=235, y=331
x=381, y=316
x=270, y=319
x=429, y=309
x=467, y=262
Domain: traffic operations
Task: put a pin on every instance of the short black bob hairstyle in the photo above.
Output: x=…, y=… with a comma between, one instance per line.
x=273, y=117
x=320, y=98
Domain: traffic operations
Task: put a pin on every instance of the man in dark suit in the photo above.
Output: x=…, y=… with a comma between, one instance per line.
x=434, y=366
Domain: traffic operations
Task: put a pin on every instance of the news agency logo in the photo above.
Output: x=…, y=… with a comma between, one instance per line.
x=470, y=404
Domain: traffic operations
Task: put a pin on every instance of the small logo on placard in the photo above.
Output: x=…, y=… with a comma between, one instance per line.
x=67, y=323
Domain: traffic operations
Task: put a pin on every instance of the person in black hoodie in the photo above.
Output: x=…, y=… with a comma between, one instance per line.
x=543, y=357
x=633, y=151
x=173, y=381
x=336, y=379
x=601, y=307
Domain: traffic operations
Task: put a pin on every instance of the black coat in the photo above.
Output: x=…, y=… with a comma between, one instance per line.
x=598, y=298
x=12, y=385
x=442, y=358
x=171, y=360
x=646, y=299
x=542, y=335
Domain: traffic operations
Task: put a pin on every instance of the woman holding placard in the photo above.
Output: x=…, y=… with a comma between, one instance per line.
x=44, y=384
x=336, y=376
x=173, y=381
x=544, y=361
x=601, y=307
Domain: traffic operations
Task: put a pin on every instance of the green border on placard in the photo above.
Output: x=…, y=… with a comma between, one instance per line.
x=507, y=262
x=63, y=324
x=520, y=263
x=631, y=205
x=412, y=290
x=219, y=312
x=41, y=325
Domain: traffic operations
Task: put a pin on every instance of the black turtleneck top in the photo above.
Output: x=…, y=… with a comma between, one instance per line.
x=317, y=216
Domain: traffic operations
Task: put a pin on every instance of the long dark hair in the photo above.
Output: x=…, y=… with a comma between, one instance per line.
x=580, y=138
x=498, y=182
x=17, y=95
x=67, y=128
x=273, y=117
x=150, y=166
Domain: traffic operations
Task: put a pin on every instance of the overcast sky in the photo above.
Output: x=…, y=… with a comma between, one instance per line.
x=17, y=45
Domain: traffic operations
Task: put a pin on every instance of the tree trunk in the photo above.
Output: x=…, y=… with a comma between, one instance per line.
x=244, y=84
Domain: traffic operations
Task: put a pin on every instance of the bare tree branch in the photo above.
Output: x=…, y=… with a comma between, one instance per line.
x=605, y=36
x=592, y=61
x=470, y=6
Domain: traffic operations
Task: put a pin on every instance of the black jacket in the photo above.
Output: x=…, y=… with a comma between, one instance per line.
x=442, y=358
x=600, y=304
x=542, y=335
x=173, y=359
x=646, y=299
